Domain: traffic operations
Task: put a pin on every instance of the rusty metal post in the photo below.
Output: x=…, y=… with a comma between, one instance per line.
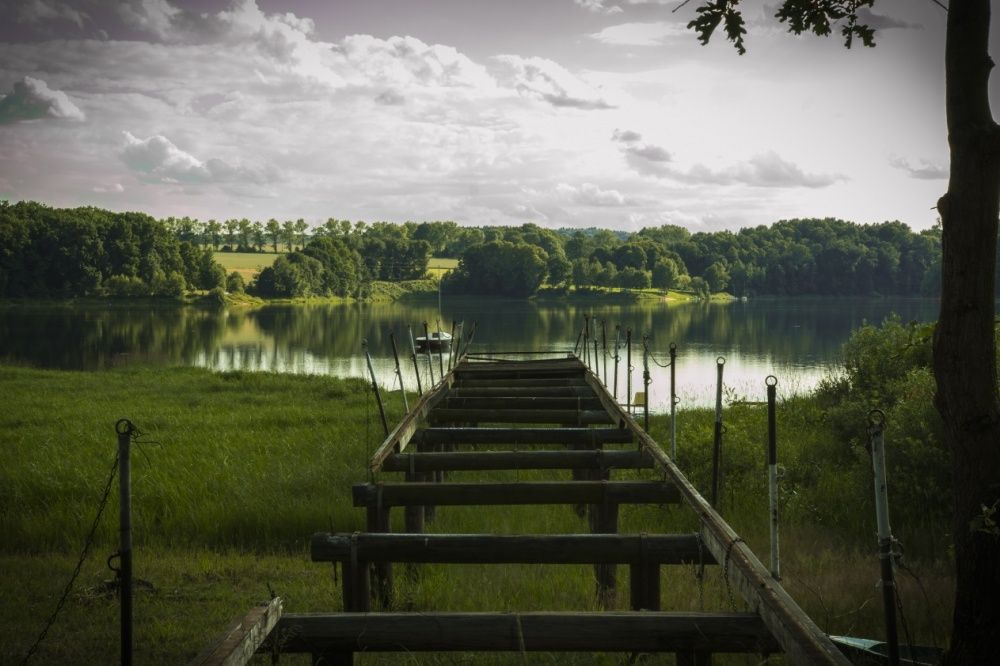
x=413, y=356
x=628, y=370
x=645, y=383
x=673, y=401
x=618, y=338
x=604, y=349
x=772, y=472
x=399, y=372
x=876, y=435
x=451, y=345
x=586, y=339
x=378, y=394
x=717, y=444
x=440, y=349
x=125, y=430
x=430, y=358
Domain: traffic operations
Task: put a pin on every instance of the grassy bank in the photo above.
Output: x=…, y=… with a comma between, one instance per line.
x=246, y=466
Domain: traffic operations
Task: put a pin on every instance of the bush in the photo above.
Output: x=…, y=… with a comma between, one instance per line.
x=126, y=286
x=235, y=283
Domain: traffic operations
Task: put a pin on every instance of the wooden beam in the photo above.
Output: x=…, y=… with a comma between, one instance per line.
x=241, y=640
x=569, y=364
x=584, y=391
x=512, y=460
x=400, y=437
x=476, y=382
x=512, y=549
x=578, y=403
x=519, y=436
x=567, y=416
x=527, y=492
x=800, y=638
x=525, y=632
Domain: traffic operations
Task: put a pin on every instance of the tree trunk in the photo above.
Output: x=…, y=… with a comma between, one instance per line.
x=964, y=343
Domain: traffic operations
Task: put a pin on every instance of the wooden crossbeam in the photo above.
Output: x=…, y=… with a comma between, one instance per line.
x=565, y=416
x=461, y=391
x=526, y=492
x=473, y=381
x=524, y=632
x=522, y=402
x=511, y=549
x=237, y=645
x=577, y=436
x=512, y=460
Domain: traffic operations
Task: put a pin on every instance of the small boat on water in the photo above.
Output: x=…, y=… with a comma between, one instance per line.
x=436, y=341
x=867, y=652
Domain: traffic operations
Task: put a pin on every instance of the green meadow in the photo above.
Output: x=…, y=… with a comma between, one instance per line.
x=234, y=472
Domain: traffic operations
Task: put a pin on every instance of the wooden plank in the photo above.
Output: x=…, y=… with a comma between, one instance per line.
x=512, y=549
x=400, y=437
x=519, y=436
x=525, y=632
x=570, y=363
x=567, y=416
x=512, y=460
x=574, y=381
x=241, y=640
x=526, y=492
x=460, y=391
x=578, y=403
x=800, y=638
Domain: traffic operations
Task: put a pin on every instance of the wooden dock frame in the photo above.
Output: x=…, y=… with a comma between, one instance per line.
x=777, y=623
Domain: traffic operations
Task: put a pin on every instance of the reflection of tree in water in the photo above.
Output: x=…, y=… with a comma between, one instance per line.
x=92, y=338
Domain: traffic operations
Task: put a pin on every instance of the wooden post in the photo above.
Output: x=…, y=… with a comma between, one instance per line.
x=586, y=339
x=430, y=358
x=606, y=523
x=451, y=345
x=628, y=370
x=604, y=348
x=413, y=356
x=378, y=521
x=618, y=337
x=378, y=395
x=717, y=444
x=673, y=401
x=772, y=472
x=440, y=349
x=645, y=383
x=415, y=514
x=399, y=372
x=125, y=430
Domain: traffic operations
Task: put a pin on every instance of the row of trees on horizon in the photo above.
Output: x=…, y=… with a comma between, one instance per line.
x=89, y=251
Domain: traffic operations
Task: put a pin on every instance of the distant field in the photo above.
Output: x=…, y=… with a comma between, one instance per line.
x=245, y=263
x=438, y=266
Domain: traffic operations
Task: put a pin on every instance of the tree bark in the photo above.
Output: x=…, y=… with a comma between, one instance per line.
x=964, y=342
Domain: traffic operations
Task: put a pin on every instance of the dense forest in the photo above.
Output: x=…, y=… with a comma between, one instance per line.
x=88, y=251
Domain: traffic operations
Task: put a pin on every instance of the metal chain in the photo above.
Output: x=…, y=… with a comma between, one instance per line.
x=79, y=564
x=653, y=357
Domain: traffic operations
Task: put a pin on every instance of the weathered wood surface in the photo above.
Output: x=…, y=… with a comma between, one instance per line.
x=575, y=381
x=568, y=364
x=579, y=403
x=513, y=460
x=564, y=416
x=800, y=638
x=242, y=638
x=400, y=437
x=540, y=492
x=517, y=436
x=525, y=632
x=511, y=549
x=461, y=391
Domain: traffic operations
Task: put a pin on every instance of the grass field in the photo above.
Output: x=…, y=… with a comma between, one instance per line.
x=246, y=264
x=238, y=470
x=438, y=266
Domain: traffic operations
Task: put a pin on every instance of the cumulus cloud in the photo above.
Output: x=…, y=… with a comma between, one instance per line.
x=598, y=6
x=762, y=170
x=645, y=158
x=883, y=22
x=407, y=61
x=652, y=33
x=544, y=79
x=589, y=194
x=113, y=188
x=625, y=136
x=926, y=170
x=155, y=17
x=32, y=99
x=156, y=159
x=37, y=11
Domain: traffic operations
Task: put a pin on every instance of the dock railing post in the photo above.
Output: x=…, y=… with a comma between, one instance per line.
x=125, y=430
x=717, y=443
x=413, y=356
x=378, y=394
x=673, y=401
x=586, y=340
x=645, y=383
x=628, y=370
x=618, y=337
x=876, y=435
x=430, y=358
x=399, y=372
x=772, y=472
x=440, y=349
x=597, y=358
x=604, y=349
x=451, y=345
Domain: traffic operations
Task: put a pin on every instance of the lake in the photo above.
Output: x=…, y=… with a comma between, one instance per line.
x=797, y=340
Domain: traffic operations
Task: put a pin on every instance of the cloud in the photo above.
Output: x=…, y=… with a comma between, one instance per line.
x=114, y=188
x=156, y=159
x=762, y=170
x=598, y=6
x=544, y=79
x=926, y=171
x=589, y=194
x=32, y=99
x=407, y=61
x=37, y=11
x=625, y=136
x=644, y=158
x=652, y=33
x=650, y=152
x=155, y=17
x=883, y=22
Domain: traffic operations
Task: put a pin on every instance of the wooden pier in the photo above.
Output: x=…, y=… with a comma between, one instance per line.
x=560, y=417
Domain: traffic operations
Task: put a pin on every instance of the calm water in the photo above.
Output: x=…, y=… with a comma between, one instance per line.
x=797, y=340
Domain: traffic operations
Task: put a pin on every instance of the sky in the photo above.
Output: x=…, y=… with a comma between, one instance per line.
x=564, y=113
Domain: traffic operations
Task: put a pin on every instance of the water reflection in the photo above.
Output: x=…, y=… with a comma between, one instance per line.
x=797, y=340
